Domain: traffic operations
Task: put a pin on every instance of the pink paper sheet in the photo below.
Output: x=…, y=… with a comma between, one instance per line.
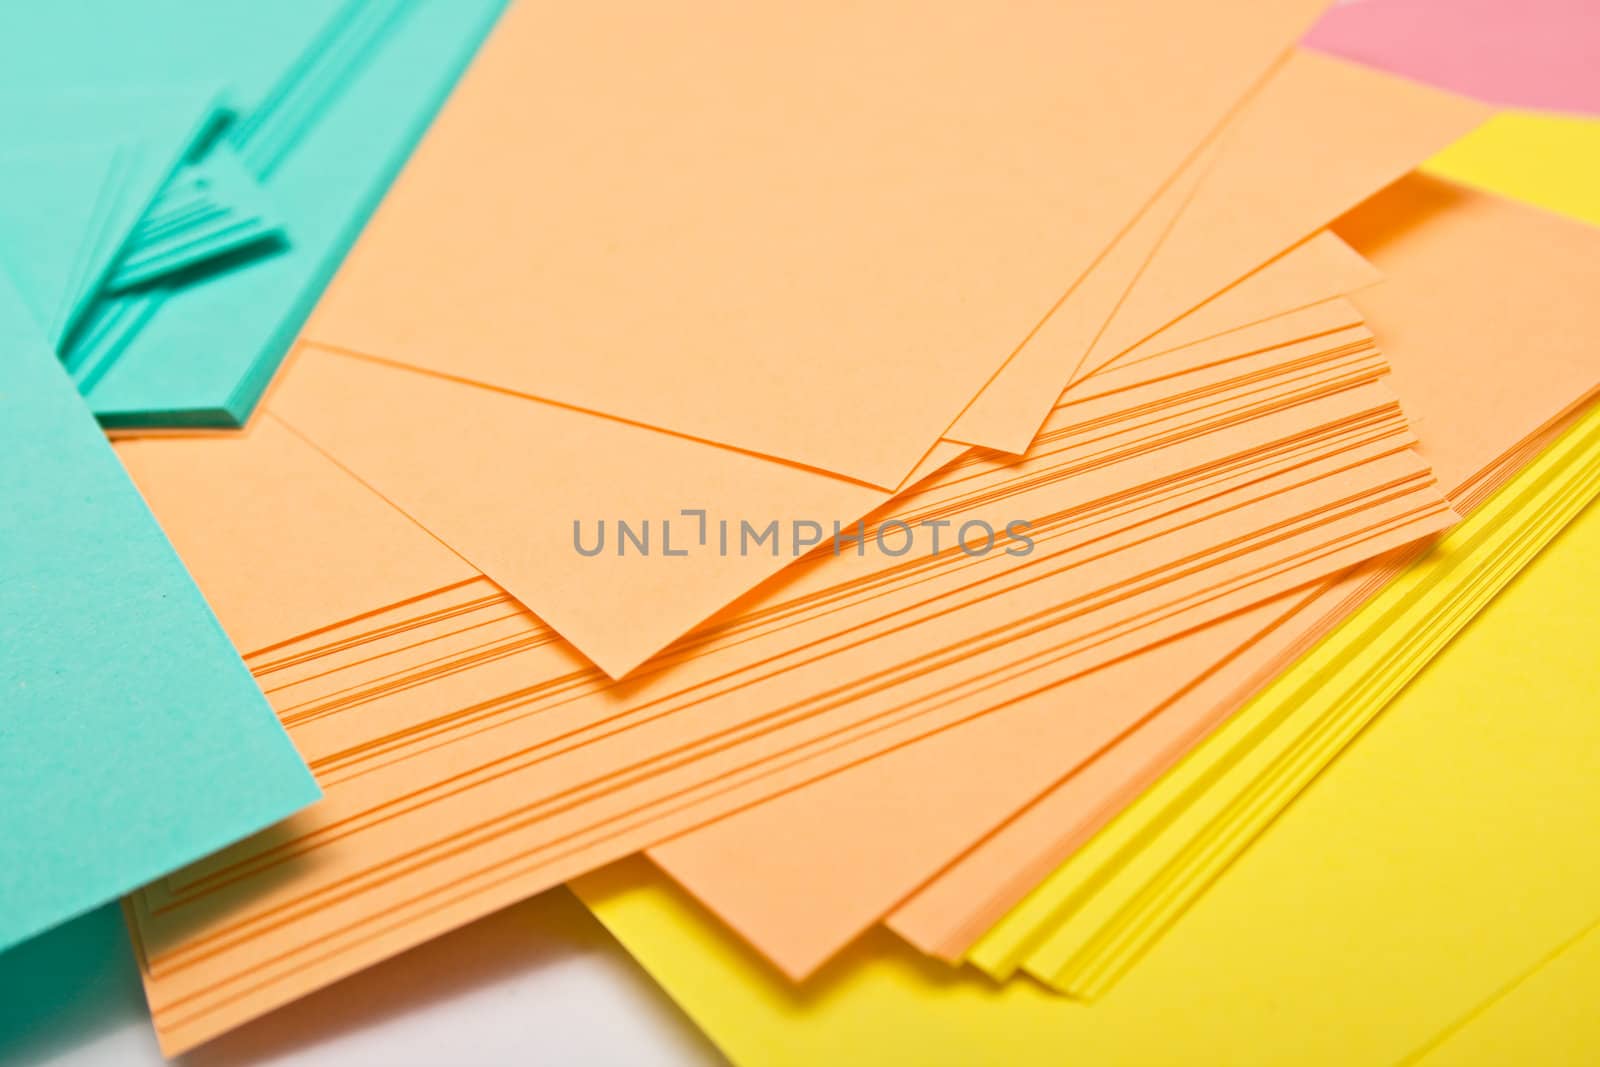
x=1516, y=53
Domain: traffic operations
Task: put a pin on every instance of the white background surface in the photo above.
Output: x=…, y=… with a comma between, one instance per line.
x=540, y=983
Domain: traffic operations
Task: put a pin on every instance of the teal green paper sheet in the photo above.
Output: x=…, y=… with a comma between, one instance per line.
x=44, y=248
x=146, y=132
x=329, y=99
x=329, y=146
x=211, y=208
x=132, y=739
x=67, y=988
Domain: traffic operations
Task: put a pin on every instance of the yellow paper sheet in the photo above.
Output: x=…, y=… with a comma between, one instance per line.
x=1082, y=928
x=1544, y=1016
x=1549, y=160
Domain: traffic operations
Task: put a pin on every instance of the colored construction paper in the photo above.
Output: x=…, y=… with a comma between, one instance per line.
x=1068, y=936
x=41, y=248
x=150, y=128
x=1543, y=159
x=1222, y=236
x=326, y=102
x=1552, y=161
x=452, y=479
x=470, y=756
x=134, y=739
x=1515, y=53
x=841, y=869
x=1449, y=254
x=517, y=526
x=362, y=553
x=1543, y=1016
x=1081, y=942
x=898, y=822
x=738, y=190
x=448, y=722
x=1492, y=157
x=1316, y=270
x=1442, y=857
x=887, y=828
x=1196, y=240
x=212, y=207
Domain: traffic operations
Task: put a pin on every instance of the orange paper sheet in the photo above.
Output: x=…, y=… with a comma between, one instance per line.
x=1356, y=129
x=470, y=757
x=811, y=234
x=442, y=451
x=1312, y=272
x=802, y=875
x=1316, y=139
x=420, y=442
x=1472, y=278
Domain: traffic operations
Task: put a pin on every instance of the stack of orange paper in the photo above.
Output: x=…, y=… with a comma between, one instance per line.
x=807, y=451
x=924, y=839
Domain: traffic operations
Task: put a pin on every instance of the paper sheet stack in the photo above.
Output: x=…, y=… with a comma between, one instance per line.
x=1429, y=898
x=1403, y=910
x=426, y=631
x=961, y=472
x=195, y=176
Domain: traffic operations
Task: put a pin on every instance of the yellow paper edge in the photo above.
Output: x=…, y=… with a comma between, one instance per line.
x=1547, y=160
x=1281, y=740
